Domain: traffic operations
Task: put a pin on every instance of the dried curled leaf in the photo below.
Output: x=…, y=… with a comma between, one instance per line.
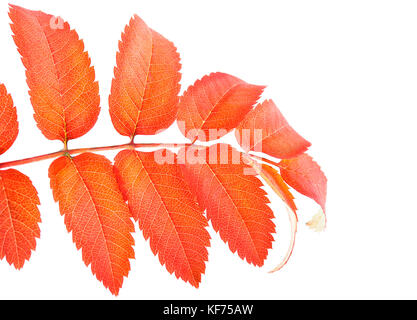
x=96, y=214
x=63, y=92
x=9, y=127
x=215, y=105
x=166, y=210
x=293, y=222
x=235, y=202
x=19, y=217
x=144, y=93
x=265, y=129
x=272, y=177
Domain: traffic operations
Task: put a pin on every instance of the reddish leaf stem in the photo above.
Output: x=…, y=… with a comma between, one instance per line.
x=53, y=155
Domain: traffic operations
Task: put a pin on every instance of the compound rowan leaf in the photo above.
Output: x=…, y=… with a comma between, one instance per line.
x=232, y=195
x=144, y=93
x=96, y=214
x=9, y=127
x=167, y=194
x=265, y=130
x=305, y=176
x=19, y=217
x=63, y=92
x=159, y=198
x=215, y=105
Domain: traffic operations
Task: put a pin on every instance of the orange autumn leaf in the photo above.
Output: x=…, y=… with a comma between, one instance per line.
x=19, y=217
x=63, y=92
x=305, y=176
x=233, y=198
x=96, y=214
x=265, y=130
x=166, y=210
x=215, y=105
x=144, y=93
x=9, y=127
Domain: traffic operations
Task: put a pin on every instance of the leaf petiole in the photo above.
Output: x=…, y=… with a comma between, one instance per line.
x=64, y=152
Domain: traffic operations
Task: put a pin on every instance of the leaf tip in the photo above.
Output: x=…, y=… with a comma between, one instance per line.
x=318, y=222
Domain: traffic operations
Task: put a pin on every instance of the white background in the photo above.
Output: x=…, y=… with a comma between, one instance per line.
x=344, y=73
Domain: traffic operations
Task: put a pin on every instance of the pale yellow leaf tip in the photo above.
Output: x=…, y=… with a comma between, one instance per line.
x=318, y=222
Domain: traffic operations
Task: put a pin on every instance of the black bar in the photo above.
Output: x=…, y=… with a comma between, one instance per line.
x=207, y=309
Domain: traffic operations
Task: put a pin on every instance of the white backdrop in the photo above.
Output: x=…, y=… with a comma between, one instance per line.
x=344, y=73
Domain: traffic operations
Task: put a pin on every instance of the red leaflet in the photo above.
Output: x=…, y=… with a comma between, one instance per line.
x=95, y=212
x=19, y=217
x=168, y=215
x=61, y=81
x=265, y=130
x=19, y=214
x=144, y=92
x=305, y=176
x=234, y=200
x=9, y=127
x=215, y=105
